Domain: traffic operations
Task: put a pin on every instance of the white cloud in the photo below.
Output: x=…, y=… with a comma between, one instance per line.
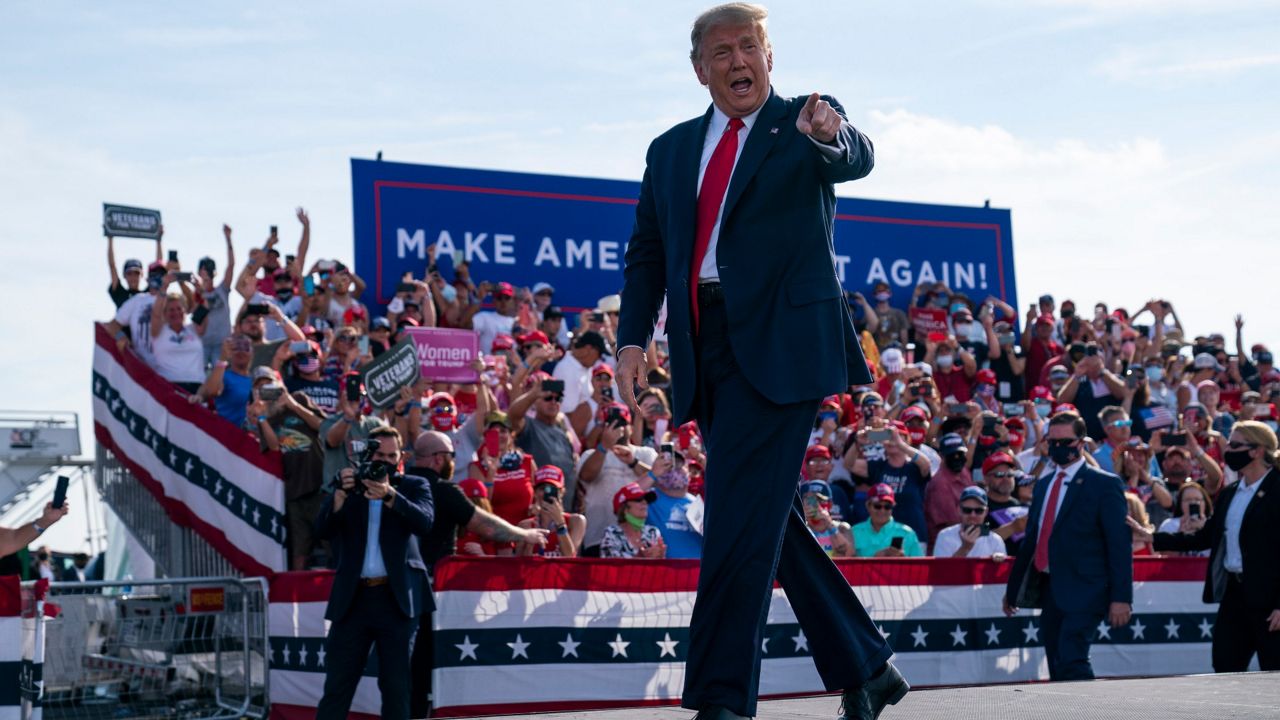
x=1131, y=65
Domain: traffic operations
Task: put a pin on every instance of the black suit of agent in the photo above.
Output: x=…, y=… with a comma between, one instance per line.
x=774, y=337
x=1251, y=594
x=380, y=610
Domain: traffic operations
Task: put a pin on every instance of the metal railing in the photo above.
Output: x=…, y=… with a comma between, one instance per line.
x=177, y=551
x=181, y=647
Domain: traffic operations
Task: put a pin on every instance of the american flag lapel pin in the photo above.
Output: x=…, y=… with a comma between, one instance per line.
x=773, y=131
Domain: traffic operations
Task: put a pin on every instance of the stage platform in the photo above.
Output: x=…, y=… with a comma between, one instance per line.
x=1247, y=695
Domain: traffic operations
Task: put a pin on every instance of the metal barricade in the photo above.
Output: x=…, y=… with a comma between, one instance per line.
x=172, y=648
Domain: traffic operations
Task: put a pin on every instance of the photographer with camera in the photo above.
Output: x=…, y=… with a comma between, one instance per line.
x=373, y=522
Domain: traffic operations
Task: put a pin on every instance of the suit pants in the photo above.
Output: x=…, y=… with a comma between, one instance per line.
x=754, y=532
x=374, y=619
x=1240, y=631
x=1067, y=637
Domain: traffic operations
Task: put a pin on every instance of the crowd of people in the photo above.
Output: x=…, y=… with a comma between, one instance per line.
x=937, y=457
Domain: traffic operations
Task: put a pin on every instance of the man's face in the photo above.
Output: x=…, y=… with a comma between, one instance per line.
x=734, y=63
x=341, y=282
x=1118, y=429
x=550, y=327
x=819, y=467
x=600, y=381
x=284, y=287
x=881, y=511
x=542, y=300
x=388, y=450
x=999, y=481
x=1208, y=396
x=133, y=278
x=271, y=262
x=173, y=313
x=254, y=326
x=1176, y=466
x=504, y=304
x=972, y=513
x=586, y=355
x=548, y=404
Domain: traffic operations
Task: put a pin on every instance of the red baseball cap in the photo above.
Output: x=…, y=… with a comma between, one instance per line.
x=1041, y=392
x=1000, y=458
x=503, y=289
x=914, y=412
x=353, y=312
x=473, y=488
x=884, y=492
x=1015, y=422
x=1045, y=320
x=503, y=342
x=623, y=410
x=631, y=491
x=602, y=369
x=1065, y=407
x=549, y=475
x=537, y=336
x=440, y=397
x=986, y=376
x=817, y=451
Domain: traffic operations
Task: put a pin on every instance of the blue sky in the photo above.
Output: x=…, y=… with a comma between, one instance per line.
x=1134, y=140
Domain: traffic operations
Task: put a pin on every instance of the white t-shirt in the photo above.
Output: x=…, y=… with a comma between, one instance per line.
x=135, y=314
x=488, y=325
x=577, y=385
x=338, y=308
x=179, y=356
x=598, y=500
x=1174, y=525
x=948, y=543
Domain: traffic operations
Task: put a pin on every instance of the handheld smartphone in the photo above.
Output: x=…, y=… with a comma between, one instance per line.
x=257, y=309
x=550, y=493
x=553, y=386
x=309, y=285
x=668, y=449
x=659, y=425
x=606, y=393
x=957, y=409
x=353, y=389
x=363, y=345
x=1194, y=510
x=989, y=424
x=406, y=287
x=1131, y=380
x=274, y=230
x=299, y=346
x=200, y=314
x=326, y=265
x=270, y=393
x=1013, y=410
x=182, y=276
x=597, y=317
x=60, y=491
x=1175, y=439
x=896, y=542
x=1090, y=350
x=491, y=440
x=880, y=435
x=985, y=531
x=173, y=256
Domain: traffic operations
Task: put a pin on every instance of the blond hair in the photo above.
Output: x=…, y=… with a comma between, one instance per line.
x=1138, y=511
x=1261, y=435
x=733, y=14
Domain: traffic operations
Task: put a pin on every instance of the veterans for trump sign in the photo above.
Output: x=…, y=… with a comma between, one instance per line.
x=125, y=221
x=446, y=355
x=390, y=371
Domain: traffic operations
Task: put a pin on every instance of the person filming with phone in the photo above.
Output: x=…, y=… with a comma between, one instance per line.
x=564, y=530
x=972, y=536
x=605, y=469
x=14, y=539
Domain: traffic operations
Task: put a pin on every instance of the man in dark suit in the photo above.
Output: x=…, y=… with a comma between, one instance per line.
x=1244, y=559
x=1076, y=561
x=380, y=586
x=733, y=227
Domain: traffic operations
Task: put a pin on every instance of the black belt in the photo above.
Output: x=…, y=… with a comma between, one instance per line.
x=374, y=581
x=710, y=294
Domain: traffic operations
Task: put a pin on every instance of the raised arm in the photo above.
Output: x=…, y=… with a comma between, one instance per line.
x=304, y=244
x=229, y=273
x=115, y=274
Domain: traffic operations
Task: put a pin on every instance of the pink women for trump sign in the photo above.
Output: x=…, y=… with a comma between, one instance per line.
x=445, y=354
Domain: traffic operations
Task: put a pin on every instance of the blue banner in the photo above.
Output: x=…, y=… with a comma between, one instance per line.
x=572, y=232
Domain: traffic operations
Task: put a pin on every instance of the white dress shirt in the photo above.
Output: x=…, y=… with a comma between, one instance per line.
x=1234, y=560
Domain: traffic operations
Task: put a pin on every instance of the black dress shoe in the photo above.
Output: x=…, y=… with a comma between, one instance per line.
x=868, y=701
x=715, y=712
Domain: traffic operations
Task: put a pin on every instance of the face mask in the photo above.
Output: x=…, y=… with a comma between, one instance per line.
x=1043, y=410
x=674, y=480
x=1063, y=455
x=283, y=294
x=1155, y=373
x=443, y=422
x=954, y=462
x=509, y=461
x=1237, y=459
x=915, y=436
x=882, y=296
x=450, y=293
x=962, y=330
x=154, y=282
x=985, y=390
x=309, y=365
x=633, y=521
x=940, y=302
x=944, y=361
x=957, y=307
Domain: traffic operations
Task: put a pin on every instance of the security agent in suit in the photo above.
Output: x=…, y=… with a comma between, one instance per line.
x=1243, y=537
x=380, y=586
x=1076, y=562
x=748, y=187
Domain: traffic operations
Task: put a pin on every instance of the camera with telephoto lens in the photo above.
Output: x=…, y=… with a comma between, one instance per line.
x=367, y=468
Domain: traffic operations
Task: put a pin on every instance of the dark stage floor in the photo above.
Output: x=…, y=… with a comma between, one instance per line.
x=1198, y=697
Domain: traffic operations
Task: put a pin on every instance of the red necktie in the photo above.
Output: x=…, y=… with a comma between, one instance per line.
x=1046, y=525
x=710, y=196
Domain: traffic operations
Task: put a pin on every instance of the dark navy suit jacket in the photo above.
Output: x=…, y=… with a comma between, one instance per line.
x=1090, y=551
x=410, y=515
x=789, y=325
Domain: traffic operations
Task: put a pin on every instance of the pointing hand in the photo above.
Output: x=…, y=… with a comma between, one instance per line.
x=819, y=120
